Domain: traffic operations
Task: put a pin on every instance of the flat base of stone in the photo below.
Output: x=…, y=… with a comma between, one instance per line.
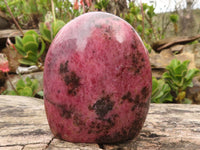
x=23, y=126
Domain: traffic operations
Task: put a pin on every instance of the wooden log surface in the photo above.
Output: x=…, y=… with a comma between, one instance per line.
x=167, y=42
x=23, y=126
x=11, y=33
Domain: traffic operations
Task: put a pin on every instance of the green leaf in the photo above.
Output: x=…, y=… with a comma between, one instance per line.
x=191, y=73
x=178, y=82
x=160, y=91
x=56, y=26
x=174, y=63
x=42, y=49
x=20, y=84
x=166, y=87
x=187, y=101
x=151, y=12
x=28, y=38
x=20, y=50
x=131, y=18
x=34, y=86
x=190, y=84
x=139, y=28
x=31, y=46
x=26, y=91
x=180, y=70
x=30, y=41
x=32, y=33
x=11, y=93
x=134, y=10
x=40, y=93
x=26, y=62
x=186, y=63
x=139, y=17
x=145, y=6
x=31, y=56
x=19, y=45
x=18, y=41
x=28, y=81
x=154, y=85
x=174, y=18
x=131, y=4
x=45, y=32
x=102, y=4
x=30, y=59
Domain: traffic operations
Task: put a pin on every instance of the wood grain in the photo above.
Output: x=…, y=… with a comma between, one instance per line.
x=23, y=126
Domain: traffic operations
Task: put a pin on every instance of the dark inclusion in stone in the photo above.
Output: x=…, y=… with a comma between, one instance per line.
x=64, y=67
x=73, y=81
x=145, y=92
x=138, y=60
x=65, y=111
x=70, y=78
x=128, y=97
x=102, y=106
x=122, y=136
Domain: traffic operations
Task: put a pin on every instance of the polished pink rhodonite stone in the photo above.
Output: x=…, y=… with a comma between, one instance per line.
x=97, y=80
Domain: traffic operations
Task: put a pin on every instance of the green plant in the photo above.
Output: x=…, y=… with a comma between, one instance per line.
x=141, y=18
x=49, y=29
x=28, y=47
x=133, y=15
x=51, y=26
x=102, y=4
x=193, y=42
x=178, y=77
x=25, y=88
x=160, y=91
x=148, y=47
x=174, y=20
x=40, y=94
x=31, y=12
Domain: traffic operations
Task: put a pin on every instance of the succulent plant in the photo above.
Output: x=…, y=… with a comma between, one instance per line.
x=49, y=30
x=179, y=77
x=25, y=88
x=28, y=47
x=160, y=91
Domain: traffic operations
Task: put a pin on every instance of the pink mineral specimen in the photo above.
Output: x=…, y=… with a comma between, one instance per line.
x=97, y=80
